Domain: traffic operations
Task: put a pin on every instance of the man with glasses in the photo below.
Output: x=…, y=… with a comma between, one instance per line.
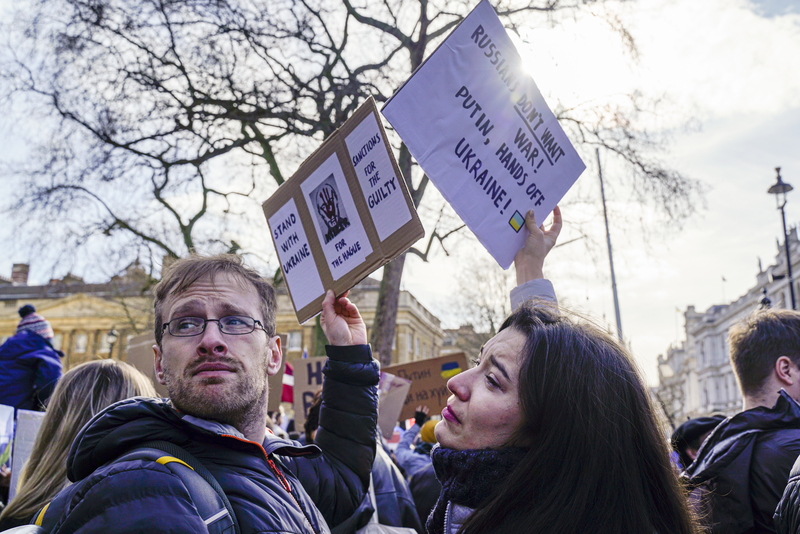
x=215, y=348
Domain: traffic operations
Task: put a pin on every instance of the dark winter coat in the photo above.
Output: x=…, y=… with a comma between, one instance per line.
x=298, y=493
x=742, y=468
x=29, y=370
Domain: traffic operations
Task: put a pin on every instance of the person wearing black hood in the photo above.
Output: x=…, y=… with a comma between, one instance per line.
x=29, y=364
x=687, y=438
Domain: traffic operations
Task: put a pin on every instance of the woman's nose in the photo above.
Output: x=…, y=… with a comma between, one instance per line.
x=459, y=384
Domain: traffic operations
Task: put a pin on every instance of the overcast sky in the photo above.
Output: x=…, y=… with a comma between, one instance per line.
x=730, y=68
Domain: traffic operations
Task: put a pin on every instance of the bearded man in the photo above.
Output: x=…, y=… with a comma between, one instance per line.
x=215, y=347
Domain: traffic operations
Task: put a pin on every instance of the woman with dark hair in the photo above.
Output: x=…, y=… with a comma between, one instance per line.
x=553, y=431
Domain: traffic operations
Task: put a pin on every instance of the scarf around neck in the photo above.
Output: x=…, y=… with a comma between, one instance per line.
x=469, y=477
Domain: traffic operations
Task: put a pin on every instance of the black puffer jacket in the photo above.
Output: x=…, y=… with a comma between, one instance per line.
x=743, y=466
x=143, y=496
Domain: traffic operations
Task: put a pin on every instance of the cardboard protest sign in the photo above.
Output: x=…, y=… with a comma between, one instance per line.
x=428, y=381
x=28, y=423
x=307, y=380
x=140, y=355
x=392, y=391
x=344, y=213
x=480, y=129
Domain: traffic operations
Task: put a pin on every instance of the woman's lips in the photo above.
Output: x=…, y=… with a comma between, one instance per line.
x=448, y=414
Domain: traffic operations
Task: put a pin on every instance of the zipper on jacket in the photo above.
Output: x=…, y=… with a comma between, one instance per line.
x=281, y=479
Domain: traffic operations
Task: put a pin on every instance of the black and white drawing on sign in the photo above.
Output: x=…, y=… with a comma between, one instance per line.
x=330, y=210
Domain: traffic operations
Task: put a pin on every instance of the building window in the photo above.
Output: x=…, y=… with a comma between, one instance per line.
x=105, y=344
x=295, y=341
x=80, y=343
x=394, y=343
x=417, y=348
x=410, y=343
x=57, y=340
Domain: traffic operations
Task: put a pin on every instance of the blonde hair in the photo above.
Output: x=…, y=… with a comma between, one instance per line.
x=80, y=394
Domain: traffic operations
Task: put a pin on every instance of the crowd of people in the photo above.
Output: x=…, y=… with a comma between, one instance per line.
x=553, y=430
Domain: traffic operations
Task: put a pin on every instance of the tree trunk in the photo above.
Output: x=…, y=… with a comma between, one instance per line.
x=383, y=328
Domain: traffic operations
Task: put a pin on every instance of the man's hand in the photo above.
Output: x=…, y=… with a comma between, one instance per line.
x=529, y=261
x=341, y=321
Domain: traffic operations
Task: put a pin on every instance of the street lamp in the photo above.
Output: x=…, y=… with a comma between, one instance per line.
x=112, y=338
x=779, y=189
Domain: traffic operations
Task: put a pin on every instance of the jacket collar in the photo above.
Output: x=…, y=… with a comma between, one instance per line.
x=125, y=424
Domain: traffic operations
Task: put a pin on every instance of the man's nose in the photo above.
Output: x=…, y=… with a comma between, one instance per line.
x=212, y=341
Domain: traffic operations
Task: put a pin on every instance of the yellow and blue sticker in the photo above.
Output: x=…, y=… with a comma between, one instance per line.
x=450, y=369
x=517, y=221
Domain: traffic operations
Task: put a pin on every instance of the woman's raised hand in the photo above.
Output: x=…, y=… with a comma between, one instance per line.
x=529, y=261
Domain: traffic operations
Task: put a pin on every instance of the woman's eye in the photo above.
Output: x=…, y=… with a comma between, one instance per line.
x=492, y=382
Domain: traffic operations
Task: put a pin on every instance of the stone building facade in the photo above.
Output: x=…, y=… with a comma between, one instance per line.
x=696, y=378
x=83, y=315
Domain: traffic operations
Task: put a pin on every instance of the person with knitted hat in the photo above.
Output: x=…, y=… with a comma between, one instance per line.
x=29, y=364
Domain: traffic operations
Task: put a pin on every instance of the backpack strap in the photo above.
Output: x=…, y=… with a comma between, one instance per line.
x=177, y=457
x=207, y=496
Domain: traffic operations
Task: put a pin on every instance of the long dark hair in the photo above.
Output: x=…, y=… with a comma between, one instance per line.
x=598, y=459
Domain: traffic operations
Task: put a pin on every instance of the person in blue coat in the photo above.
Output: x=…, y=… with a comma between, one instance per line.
x=29, y=364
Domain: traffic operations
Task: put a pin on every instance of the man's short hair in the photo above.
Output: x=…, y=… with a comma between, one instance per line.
x=758, y=341
x=181, y=274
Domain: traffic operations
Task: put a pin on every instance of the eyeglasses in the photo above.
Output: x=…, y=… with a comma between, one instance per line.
x=234, y=325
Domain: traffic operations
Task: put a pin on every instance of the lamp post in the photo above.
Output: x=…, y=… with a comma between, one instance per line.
x=779, y=189
x=112, y=338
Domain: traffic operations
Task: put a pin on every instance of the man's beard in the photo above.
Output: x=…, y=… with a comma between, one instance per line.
x=237, y=403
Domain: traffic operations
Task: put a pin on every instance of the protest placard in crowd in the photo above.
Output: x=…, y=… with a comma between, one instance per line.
x=392, y=391
x=344, y=213
x=307, y=380
x=28, y=423
x=428, y=381
x=6, y=432
x=475, y=121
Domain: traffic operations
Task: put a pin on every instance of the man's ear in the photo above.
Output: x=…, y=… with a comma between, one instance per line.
x=159, y=369
x=275, y=357
x=786, y=371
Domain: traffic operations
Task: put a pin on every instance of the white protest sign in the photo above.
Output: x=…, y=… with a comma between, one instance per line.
x=379, y=183
x=28, y=423
x=341, y=232
x=480, y=129
x=295, y=255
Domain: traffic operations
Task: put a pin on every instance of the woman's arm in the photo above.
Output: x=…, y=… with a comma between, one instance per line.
x=529, y=261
